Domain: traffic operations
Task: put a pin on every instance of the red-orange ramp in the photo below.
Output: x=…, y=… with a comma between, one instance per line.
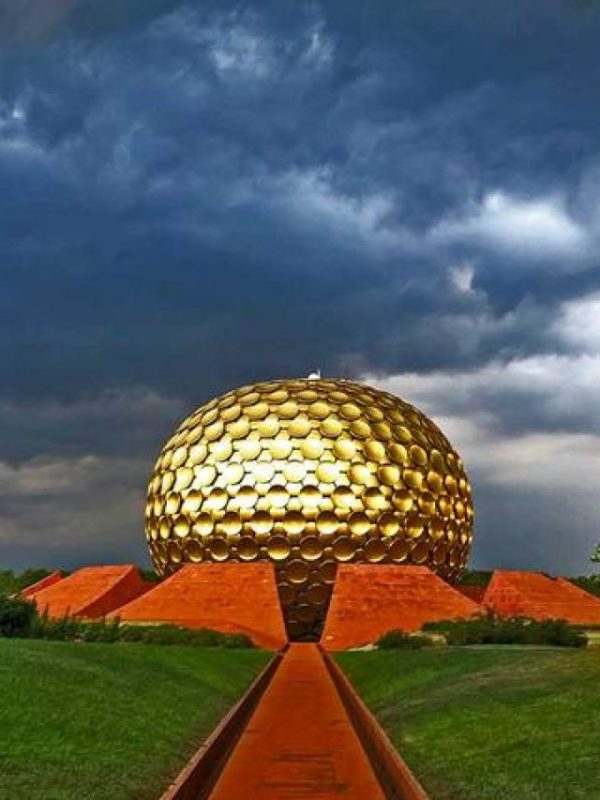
x=300, y=742
x=369, y=600
x=91, y=591
x=43, y=583
x=531, y=594
x=230, y=598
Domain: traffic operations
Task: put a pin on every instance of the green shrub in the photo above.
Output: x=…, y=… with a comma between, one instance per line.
x=19, y=617
x=30, y=576
x=67, y=628
x=171, y=634
x=149, y=575
x=16, y=616
x=102, y=631
x=476, y=577
x=589, y=583
x=399, y=640
x=492, y=629
x=13, y=582
x=8, y=582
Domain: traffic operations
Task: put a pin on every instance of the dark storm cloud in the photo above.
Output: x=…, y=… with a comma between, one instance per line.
x=32, y=21
x=193, y=196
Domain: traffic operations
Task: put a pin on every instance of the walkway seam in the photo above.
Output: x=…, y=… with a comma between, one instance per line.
x=393, y=773
x=197, y=779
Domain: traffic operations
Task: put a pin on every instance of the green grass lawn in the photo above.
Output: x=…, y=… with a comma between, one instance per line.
x=489, y=724
x=108, y=722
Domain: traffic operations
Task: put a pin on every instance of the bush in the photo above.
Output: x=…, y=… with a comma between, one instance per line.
x=399, y=640
x=149, y=575
x=491, y=629
x=476, y=577
x=67, y=628
x=16, y=616
x=13, y=582
x=589, y=583
x=64, y=628
x=8, y=582
x=30, y=576
x=102, y=631
x=171, y=634
x=19, y=617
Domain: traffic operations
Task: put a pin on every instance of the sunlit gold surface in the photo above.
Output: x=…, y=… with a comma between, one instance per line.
x=309, y=474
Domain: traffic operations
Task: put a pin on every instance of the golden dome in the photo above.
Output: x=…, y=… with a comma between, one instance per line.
x=309, y=474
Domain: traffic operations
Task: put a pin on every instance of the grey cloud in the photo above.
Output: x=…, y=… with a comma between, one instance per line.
x=529, y=436
x=32, y=20
x=107, y=425
x=196, y=196
x=70, y=513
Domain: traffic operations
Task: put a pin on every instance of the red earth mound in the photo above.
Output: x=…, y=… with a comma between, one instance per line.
x=531, y=594
x=230, y=598
x=49, y=580
x=91, y=592
x=369, y=600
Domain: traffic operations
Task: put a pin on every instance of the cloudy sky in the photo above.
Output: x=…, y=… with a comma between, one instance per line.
x=194, y=195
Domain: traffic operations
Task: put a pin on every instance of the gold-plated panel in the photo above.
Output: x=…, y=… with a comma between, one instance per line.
x=344, y=449
x=311, y=549
x=332, y=427
x=204, y=476
x=359, y=523
x=327, y=472
x=218, y=549
x=278, y=548
x=343, y=497
x=194, y=551
x=317, y=594
x=247, y=549
x=343, y=548
x=293, y=522
x=309, y=474
x=412, y=478
x=230, y=524
x=389, y=474
x=221, y=450
x=388, y=524
x=399, y=550
x=204, y=524
x=327, y=523
x=297, y=572
x=326, y=572
x=375, y=550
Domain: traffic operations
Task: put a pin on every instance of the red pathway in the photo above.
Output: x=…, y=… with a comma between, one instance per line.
x=299, y=743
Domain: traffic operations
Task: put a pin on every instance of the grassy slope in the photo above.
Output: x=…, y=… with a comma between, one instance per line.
x=489, y=724
x=93, y=721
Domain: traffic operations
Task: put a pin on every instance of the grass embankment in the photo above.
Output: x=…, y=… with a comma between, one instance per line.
x=101, y=722
x=489, y=724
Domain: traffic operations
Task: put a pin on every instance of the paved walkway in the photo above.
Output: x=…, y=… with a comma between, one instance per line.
x=299, y=743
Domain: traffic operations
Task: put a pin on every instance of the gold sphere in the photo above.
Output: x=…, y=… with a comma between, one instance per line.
x=309, y=474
